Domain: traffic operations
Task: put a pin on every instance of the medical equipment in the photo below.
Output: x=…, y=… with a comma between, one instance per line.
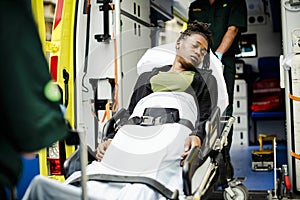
x=263, y=159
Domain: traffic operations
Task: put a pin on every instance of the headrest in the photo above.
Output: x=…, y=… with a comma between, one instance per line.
x=165, y=55
x=156, y=57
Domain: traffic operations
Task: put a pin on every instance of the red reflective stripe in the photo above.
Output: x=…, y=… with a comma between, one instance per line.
x=53, y=67
x=55, y=166
x=59, y=9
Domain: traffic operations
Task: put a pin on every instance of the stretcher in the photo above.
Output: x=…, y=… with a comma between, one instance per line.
x=202, y=172
x=204, y=169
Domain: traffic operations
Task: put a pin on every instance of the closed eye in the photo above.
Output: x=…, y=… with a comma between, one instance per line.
x=195, y=45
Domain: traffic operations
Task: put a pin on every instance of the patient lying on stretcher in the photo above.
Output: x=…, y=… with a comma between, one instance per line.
x=182, y=76
x=178, y=89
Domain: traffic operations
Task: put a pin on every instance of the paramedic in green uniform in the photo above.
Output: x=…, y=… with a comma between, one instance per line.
x=227, y=19
x=31, y=118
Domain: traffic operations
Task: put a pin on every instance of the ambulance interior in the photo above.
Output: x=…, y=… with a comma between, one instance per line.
x=104, y=42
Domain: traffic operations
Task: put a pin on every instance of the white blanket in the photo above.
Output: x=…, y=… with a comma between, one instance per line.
x=151, y=151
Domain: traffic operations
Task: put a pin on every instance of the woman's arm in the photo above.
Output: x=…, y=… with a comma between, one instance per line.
x=206, y=89
x=142, y=88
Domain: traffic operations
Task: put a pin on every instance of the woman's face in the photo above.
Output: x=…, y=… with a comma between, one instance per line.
x=191, y=50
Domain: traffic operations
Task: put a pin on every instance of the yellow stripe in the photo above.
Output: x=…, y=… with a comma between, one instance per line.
x=37, y=7
x=43, y=162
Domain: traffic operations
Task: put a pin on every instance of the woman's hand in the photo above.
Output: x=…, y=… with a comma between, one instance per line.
x=102, y=148
x=190, y=142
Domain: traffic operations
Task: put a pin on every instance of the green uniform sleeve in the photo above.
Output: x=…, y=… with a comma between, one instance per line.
x=238, y=16
x=30, y=111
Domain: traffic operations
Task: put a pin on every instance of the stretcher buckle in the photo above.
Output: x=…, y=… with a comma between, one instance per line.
x=147, y=121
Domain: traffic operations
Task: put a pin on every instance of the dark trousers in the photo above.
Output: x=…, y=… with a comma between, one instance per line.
x=229, y=76
x=2, y=193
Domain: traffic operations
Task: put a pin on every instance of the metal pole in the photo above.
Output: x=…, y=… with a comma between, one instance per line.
x=83, y=161
x=119, y=53
x=275, y=168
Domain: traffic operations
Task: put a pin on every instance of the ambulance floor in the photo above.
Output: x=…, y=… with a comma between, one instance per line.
x=241, y=157
x=257, y=182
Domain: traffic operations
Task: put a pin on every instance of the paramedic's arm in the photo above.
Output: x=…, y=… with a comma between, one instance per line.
x=227, y=41
x=237, y=23
x=37, y=120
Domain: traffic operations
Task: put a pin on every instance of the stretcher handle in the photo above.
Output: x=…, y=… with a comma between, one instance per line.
x=264, y=137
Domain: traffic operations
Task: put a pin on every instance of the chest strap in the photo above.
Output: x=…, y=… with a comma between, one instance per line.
x=159, y=116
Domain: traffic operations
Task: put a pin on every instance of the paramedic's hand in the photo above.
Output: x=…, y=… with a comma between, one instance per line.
x=190, y=142
x=102, y=148
x=219, y=55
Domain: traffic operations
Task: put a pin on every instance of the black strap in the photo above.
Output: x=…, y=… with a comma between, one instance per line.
x=159, y=116
x=186, y=123
x=132, y=179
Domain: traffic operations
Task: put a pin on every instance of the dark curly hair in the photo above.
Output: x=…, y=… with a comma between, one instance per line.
x=198, y=28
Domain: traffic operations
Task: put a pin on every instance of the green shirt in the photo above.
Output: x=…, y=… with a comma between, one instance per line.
x=171, y=81
x=30, y=118
x=220, y=15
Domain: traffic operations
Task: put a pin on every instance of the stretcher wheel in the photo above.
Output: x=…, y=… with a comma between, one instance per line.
x=240, y=191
